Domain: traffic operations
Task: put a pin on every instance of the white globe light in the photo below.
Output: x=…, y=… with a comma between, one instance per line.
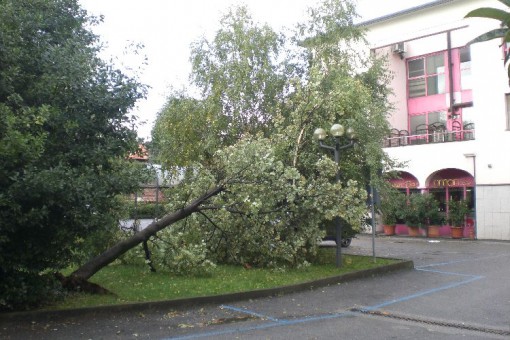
x=320, y=134
x=337, y=130
x=350, y=133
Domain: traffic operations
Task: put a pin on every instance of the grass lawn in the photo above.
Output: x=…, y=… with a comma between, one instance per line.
x=133, y=283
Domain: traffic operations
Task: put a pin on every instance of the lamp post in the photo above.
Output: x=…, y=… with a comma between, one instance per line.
x=336, y=131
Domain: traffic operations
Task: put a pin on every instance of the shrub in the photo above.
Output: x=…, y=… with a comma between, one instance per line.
x=181, y=253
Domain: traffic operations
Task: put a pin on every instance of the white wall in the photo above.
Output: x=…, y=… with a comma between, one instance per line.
x=490, y=84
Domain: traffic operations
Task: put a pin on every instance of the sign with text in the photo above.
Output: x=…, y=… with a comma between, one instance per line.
x=452, y=182
x=403, y=183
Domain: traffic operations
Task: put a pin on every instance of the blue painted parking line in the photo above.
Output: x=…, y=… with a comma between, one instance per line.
x=463, y=260
x=275, y=322
x=245, y=311
x=420, y=294
x=470, y=278
x=271, y=324
x=447, y=273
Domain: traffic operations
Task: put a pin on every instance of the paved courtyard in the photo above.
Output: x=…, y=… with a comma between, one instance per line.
x=458, y=290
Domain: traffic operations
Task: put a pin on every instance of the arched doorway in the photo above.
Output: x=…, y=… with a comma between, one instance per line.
x=405, y=182
x=454, y=184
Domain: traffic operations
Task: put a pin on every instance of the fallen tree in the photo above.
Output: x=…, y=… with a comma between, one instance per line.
x=252, y=210
x=97, y=263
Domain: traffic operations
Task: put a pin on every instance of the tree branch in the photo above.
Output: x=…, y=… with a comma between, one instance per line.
x=107, y=257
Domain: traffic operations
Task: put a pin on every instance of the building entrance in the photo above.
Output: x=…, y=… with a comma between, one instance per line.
x=454, y=185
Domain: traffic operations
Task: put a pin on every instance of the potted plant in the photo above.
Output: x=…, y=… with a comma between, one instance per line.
x=436, y=219
x=457, y=211
x=413, y=214
x=391, y=210
x=419, y=211
x=432, y=216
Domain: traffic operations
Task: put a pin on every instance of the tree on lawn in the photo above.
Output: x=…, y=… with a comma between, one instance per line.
x=250, y=207
x=321, y=79
x=242, y=82
x=256, y=200
x=313, y=78
x=63, y=139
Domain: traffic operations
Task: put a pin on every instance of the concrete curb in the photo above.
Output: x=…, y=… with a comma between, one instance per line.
x=203, y=300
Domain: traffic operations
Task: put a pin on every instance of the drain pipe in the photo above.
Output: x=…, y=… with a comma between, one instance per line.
x=473, y=157
x=450, y=72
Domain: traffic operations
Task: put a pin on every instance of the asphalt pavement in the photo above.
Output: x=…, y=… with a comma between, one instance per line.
x=458, y=289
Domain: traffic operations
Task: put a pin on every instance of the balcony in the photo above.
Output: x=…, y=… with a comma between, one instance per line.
x=433, y=133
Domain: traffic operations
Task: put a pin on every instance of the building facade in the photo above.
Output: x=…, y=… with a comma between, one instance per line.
x=451, y=122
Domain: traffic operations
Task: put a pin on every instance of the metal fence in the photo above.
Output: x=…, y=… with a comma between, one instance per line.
x=428, y=134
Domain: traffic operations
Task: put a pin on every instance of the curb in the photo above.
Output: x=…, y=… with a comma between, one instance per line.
x=203, y=300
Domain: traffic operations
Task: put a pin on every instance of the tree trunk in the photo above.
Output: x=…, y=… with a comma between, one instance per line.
x=111, y=254
x=148, y=259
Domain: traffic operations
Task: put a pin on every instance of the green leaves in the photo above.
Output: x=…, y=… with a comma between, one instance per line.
x=457, y=211
x=262, y=96
x=490, y=13
x=63, y=133
x=496, y=33
x=269, y=213
x=503, y=32
x=239, y=74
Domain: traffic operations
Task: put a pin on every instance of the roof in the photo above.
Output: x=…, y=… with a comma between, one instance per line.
x=405, y=11
x=141, y=154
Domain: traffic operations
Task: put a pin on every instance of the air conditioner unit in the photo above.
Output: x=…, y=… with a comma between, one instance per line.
x=400, y=49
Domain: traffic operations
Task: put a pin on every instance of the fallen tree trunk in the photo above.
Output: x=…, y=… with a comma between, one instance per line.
x=97, y=263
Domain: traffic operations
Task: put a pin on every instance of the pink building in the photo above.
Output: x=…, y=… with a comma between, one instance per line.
x=451, y=122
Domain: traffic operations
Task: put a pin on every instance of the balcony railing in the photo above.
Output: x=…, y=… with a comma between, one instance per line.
x=434, y=133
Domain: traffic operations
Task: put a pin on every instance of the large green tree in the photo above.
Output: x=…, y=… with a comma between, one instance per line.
x=64, y=135
x=241, y=80
x=257, y=196
x=313, y=78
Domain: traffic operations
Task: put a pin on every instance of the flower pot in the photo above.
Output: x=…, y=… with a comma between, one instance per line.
x=413, y=231
x=457, y=232
x=400, y=229
x=389, y=229
x=433, y=231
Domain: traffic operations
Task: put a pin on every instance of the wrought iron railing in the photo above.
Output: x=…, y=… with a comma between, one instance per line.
x=427, y=136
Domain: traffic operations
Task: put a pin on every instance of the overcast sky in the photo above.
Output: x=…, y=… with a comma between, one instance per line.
x=166, y=28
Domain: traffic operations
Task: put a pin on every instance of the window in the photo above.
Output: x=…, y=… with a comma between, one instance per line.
x=437, y=117
x=429, y=80
x=426, y=76
x=416, y=78
x=465, y=68
x=419, y=123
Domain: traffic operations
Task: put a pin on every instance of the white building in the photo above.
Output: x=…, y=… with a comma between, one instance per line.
x=451, y=119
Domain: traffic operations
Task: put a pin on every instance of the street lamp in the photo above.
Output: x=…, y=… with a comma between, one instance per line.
x=336, y=131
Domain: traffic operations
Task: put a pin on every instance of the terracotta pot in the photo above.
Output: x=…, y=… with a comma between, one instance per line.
x=413, y=231
x=389, y=229
x=457, y=232
x=433, y=231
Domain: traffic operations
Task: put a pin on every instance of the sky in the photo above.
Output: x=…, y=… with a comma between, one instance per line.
x=166, y=28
